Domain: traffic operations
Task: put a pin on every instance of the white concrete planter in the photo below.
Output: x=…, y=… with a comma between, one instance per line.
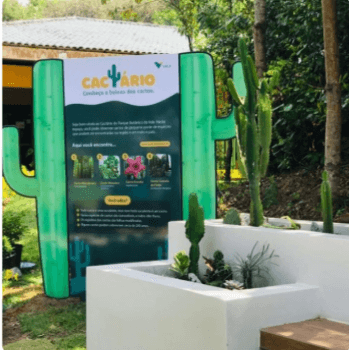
x=140, y=306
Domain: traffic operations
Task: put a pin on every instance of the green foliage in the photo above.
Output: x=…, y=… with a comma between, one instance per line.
x=253, y=266
x=12, y=10
x=294, y=44
x=326, y=203
x=271, y=193
x=181, y=264
x=79, y=8
x=194, y=231
x=13, y=227
x=253, y=129
x=6, y=246
x=110, y=168
x=158, y=166
x=218, y=271
x=232, y=217
x=168, y=17
x=221, y=24
x=70, y=319
x=83, y=167
x=30, y=238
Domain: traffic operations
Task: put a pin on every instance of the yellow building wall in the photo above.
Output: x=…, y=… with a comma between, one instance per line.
x=17, y=76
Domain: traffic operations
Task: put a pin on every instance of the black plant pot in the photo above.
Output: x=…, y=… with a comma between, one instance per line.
x=18, y=255
x=9, y=261
x=14, y=258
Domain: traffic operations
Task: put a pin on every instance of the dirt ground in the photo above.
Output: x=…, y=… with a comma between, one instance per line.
x=298, y=196
x=11, y=331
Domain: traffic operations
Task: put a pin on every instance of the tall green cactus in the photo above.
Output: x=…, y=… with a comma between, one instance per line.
x=194, y=231
x=326, y=203
x=113, y=76
x=253, y=130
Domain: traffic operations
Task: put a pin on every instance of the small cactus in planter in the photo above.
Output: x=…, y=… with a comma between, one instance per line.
x=194, y=231
x=218, y=271
x=326, y=203
x=253, y=129
x=232, y=217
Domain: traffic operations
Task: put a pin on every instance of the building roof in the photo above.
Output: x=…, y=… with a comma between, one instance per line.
x=94, y=34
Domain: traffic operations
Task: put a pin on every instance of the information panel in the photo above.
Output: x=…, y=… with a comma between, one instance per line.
x=122, y=132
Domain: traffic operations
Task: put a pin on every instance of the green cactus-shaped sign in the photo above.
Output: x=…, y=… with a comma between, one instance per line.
x=49, y=183
x=253, y=124
x=198, y=126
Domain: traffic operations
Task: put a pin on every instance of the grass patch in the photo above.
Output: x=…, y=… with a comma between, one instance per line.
x=32, y=278
x=27, y=344
x=64, y=321
x=75, y=341
x=17, y=293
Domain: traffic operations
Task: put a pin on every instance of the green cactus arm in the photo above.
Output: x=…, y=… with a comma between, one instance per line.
x=233, y=92
x=24, y=185
x=253, y=71
x=224, y=128
x=251, y=150
x=265, y=124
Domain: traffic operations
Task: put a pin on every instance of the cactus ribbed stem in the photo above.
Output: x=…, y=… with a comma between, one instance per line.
x=253, y=124
x=326, y=203
x=194, y=231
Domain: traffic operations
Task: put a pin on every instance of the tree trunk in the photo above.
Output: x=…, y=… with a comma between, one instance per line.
x=190, y=41
x=333, y=95
x=258, y=37
x=229, y=154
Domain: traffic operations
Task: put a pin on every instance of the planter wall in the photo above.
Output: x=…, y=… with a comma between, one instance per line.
x=315, y=258
x=134, y=307
x=139, y=306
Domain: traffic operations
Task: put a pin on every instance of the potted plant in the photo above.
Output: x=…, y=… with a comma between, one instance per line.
x=13, y=228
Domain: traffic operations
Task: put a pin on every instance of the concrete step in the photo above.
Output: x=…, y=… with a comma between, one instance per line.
x=316, y=334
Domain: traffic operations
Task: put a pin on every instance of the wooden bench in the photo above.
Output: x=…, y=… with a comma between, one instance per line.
x=316, y=334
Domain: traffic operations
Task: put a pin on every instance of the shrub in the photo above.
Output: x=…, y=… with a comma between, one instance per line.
x=13, y=229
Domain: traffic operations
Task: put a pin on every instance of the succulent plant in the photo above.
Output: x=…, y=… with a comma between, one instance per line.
x=232, y=217
x=181, y=264
x=233, y=284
